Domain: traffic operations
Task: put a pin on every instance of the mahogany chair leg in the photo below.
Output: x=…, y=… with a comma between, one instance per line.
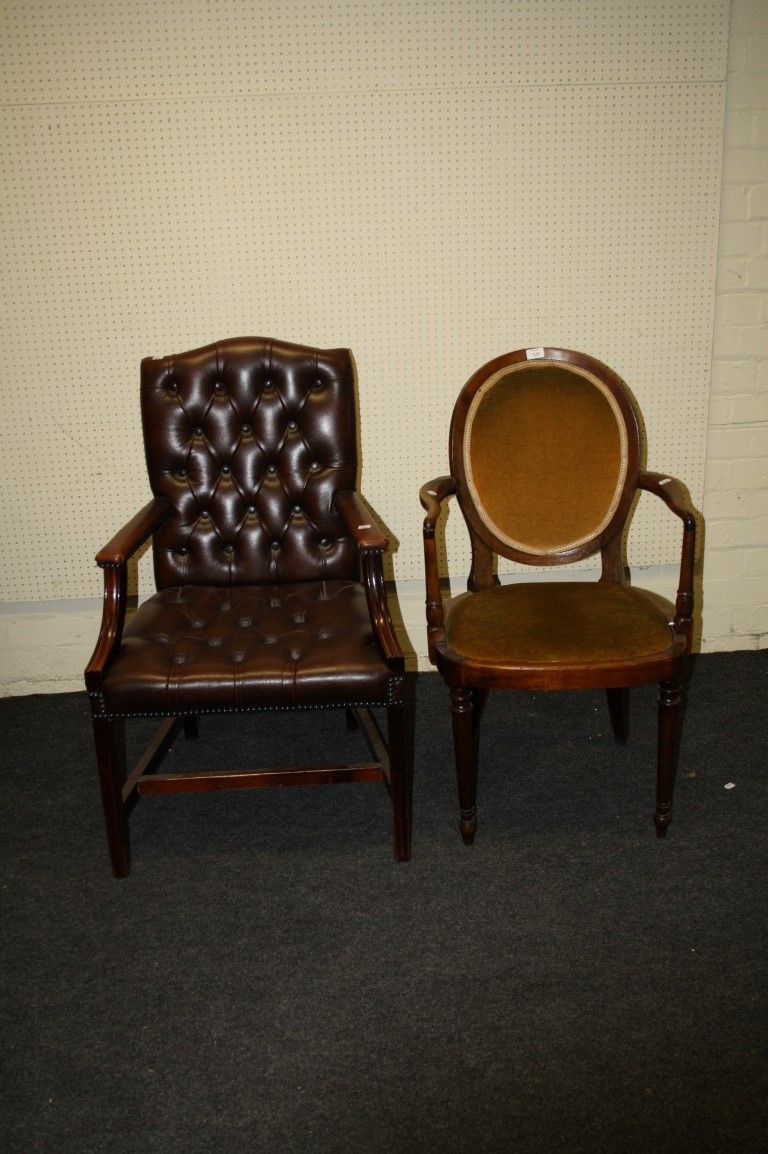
x=465, y=750
x=400, y=779
x=669, y=715
x=110, y=754
x=479, y=699
x=191, y=727
x=618, y=707
x=351, y=719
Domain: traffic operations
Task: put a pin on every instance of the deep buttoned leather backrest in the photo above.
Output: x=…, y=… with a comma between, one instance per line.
x=250, y=439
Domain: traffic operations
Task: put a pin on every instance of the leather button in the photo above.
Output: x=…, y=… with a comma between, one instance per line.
x=229, y=550
x=225, y=469
x=246, y=428
x=292, y=425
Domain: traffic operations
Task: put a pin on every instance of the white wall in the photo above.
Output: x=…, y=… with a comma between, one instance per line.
x=736, y=483
x=430, y=183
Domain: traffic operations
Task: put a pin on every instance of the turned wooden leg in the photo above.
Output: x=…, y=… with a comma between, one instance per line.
x=479, y=699
x=400, y=779
x=464, y=745
x=110, y=755
x=669, y=713
x=618, y=707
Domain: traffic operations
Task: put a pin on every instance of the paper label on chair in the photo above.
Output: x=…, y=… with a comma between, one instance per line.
x=534, y=354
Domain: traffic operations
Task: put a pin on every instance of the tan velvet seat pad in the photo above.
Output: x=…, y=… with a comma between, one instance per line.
x=196, y=649
x=558, y=623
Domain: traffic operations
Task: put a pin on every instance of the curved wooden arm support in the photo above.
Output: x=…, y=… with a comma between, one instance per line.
x=372, y=544
x=360, y=521
x=675, y=496
x=113, y=560
x=432, y=495
x=134, y=533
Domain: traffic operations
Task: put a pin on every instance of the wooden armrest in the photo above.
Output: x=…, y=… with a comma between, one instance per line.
x=672, y=492
x=134, y=533
x=432, y=496
x=675, y=496
x=372, y=544
x=360, y=521
x=112, y=560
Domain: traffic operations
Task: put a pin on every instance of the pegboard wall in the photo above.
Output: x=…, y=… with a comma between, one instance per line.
x=429, y=182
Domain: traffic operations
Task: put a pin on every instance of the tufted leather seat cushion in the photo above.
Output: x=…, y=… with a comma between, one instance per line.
x=192, y=649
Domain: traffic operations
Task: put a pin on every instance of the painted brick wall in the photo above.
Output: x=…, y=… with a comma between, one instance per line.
x=736, y=481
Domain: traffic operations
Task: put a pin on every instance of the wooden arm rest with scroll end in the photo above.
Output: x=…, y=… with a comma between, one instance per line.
x=372, y=544
x=134, y=533
x=675, y=496
x=672, y=492
x=432, y=496
x=360, y=521
x=112, y=559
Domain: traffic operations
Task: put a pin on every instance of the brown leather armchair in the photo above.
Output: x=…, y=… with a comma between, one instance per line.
x=545, y=459
x=268, y=567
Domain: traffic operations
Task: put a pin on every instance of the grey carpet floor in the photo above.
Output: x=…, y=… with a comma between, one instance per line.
x=268, y=979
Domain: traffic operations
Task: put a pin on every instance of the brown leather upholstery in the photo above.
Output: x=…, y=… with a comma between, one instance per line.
x=545, y=459
x=249, y=444
x=207, y=649
x=267, y=563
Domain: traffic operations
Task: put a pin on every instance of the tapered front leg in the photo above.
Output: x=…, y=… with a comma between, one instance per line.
x=464, y=746
x=618, y=708
x=400, y=777
x=669, y=716
x=110, y=755
x=191, y=727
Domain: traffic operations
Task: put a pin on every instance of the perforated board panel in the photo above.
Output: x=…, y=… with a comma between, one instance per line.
x=429, y=183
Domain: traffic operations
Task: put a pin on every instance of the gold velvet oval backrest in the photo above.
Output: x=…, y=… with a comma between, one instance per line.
x=545, y=445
